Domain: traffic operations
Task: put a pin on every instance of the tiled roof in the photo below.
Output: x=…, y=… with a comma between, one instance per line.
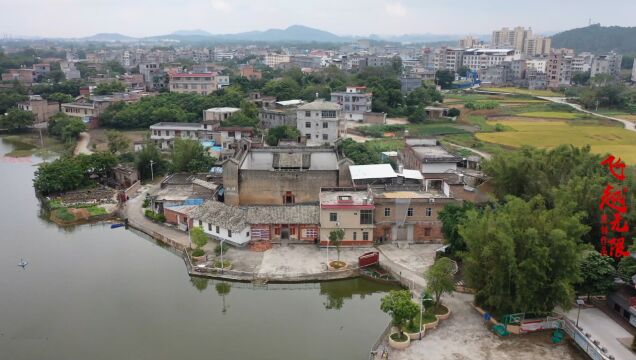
x=224, y=216
x=284, y=214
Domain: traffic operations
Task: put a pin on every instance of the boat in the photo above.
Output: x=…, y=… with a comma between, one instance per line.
x=115, y=226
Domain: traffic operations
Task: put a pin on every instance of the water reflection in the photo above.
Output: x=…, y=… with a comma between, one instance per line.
x=336, y=292
x=223, y=288
x=199, y=283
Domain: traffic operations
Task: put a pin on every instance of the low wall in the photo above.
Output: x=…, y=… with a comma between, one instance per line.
x=133, y=189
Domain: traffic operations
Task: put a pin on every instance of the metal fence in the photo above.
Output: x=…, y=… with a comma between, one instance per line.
x=584, y=342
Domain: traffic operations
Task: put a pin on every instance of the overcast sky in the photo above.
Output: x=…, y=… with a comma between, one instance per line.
x=76, y=18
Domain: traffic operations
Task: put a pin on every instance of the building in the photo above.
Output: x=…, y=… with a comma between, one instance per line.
x=559, y=68
x=408, y=213
x=222, y=222
x=582, y=62
x=273, y=60
x=537, y=46
x=609, y=64
x=538, y=64
x=355, y=101
x=165, y=133
x=41, y=70
x=201, y=83
x=282, y=175
x=248, y=71
x=262, y=101
x=319, y=121
x=537, y=80
x=479, y=59
x=213, y=116
x=69, y=70
x=469, y=42
x=448, y=59
x=41, y=108
x=306, y=61
x=350, y=210
x=379, y=61
x=24, y=76
x=299, y=223
x=88, y=110
x=383, y=174
x=154, y=76
x=426, y=156
x=511, y=38
x=227, y=136
x=634, y=72
x=282, y=113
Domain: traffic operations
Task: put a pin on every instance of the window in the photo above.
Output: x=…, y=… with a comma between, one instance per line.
x=308, y=136
x=325, y=137
x=229, y=233
x=230, y=134
x=365, y=236
x=427, y=231
x=409, y=212
x=307, y=113
x=387, y=211
x=218, y=230
x=333, y=216
x=328, y=114
x=209, y=227
x=247, y=234
x=200, y=223
x=307, y=125
x=366, y=217
x=355, y=235
x=325, y=125
x=429, y=211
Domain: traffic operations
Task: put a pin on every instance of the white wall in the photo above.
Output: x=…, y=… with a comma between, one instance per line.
x=437, y=168
x=239, y=238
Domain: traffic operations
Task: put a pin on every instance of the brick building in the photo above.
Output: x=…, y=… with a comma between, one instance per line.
x=348, y=209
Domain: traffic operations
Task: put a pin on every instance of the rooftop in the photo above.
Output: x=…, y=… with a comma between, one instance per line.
x=222, y=110
x=225, y=216
x=405, y=192
x=320, y=105
x=172, y=125
x=290, y=102
x=290, y=159
x=430, y=154
x=284, y=214
x=344, y=198
x=375, y=171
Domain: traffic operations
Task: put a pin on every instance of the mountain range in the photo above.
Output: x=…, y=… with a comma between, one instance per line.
x=598, y=39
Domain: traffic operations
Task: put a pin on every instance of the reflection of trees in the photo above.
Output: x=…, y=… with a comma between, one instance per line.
x=199, y=282
x=337, y=291
x=223, y=288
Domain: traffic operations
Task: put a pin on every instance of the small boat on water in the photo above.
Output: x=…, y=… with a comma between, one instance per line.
x=115, y=226
x=23, y=263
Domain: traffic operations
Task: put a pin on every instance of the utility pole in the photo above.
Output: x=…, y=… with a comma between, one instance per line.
x=152, y=173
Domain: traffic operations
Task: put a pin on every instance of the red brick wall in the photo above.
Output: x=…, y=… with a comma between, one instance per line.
x=350, y=243
x=171, y=216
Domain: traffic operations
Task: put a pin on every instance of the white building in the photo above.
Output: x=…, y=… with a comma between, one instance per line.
x=319, y=121
x=214, y=116
x=273, y=60
x=538, y=65
x=448, y=59
x=222, y=222
x=582, y=62
x=355, y=101
x=479, y=59
x=165, y=133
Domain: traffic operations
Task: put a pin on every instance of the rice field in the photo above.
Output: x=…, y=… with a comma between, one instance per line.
x=543, y=133
x=520, y=91
x=550, y=115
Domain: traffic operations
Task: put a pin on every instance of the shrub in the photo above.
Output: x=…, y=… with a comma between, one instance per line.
x=499, y=127
x=146, y=203
x=218, y=249
x=226, y=263
x=149, y=214
x=160, y=218
x=198, y=252
x=481, y=105
x=454, y=112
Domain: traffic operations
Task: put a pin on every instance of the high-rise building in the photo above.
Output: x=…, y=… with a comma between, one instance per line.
x=469, y=42
x=559, y=68
x=537, y=46
x=511, y=38
x=448, y=59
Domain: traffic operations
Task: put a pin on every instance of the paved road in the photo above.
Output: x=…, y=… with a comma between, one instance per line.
x=604, y=329
x=629, y=125
x=82, y=144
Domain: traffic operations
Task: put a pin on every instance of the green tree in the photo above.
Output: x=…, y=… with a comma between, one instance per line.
x=117, y=141
x=335, y=239
x=522, y=256
x=107, y=88
x=274, y=135
x=627, y=265
x=190, y=156
x=418, y=116
x=65, y=128
x=283, y=89
x=581, y=78
x=150, y=153
x=199, y=283
x=439, y=278
x=16, y=120
x=8, y=99
x=463, y=70
x=452, y=216
x=61, y=98
x=55, y=76
x=597, y=274
x=198, y=236
x=398, y=304
x=359, y=153
x=445, y=78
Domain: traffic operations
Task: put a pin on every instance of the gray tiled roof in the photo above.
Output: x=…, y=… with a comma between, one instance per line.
x=224, y=216
x=284, y=214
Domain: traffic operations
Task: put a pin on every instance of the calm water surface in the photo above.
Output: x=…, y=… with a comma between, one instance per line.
x=90, y=292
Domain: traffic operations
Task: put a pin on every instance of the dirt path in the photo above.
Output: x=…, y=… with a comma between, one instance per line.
x=82, y=144
x=628, y=124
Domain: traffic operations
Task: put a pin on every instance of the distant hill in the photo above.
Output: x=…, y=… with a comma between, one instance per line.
x=598, y=39
x=298, y=33
x=108, y=37
x=195, y=32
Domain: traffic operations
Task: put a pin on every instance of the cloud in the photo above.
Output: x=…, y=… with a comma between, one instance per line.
x=221, y=5
x=395, y=9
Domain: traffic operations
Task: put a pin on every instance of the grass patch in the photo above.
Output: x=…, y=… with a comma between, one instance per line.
x=414, y=325
x=521, y=91
x=399, y=337
x=548, y=134
x=96, y=210
x=64, y=214
x=387, y=144
x=550, y=115
x=433, y=129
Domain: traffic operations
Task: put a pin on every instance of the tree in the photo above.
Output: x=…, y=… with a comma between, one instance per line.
x=463, y=70
x=627, y=265
x=8, y=99
x=283, y=89
x=190, y=156
x=445, y=78
x=399, y=305
x=439, y=278
x=359, y=153
x=16, y=120
x=274, y=135
x=106, y=88
x=198, y=236
x=61, y=98
x=55, y=76
x=117, y=141
x=66, y=174
x=581, y=78
x=597, y=274
x=150, y=153
x=451, y=216
x=65, y=128
x=454, y=112
x=522, y=256
x=418, y=116
x=335, y=239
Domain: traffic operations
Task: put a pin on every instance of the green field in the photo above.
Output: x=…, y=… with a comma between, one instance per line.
x=520, y=91
x=550, y=115
x=547, y=134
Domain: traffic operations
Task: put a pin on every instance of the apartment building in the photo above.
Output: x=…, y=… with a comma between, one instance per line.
x=200, y=83
x=319, y=121
x=379, y=61
x=479, y=59
x=609, y=64
x=469, y=42
x=448, y=59
x=350, y=210
x=582, y=62
x=282, y=113
x=559, y=68
x=539, y=65
x=41, y=108
x=273, y=60
x=154, y=76
x=213, y=116
x=306, y=61
x=426, y=156
x=24, y=76
x=164, y=133
x=511, y=38
x=355, y=101
x=537, y=46
x=69, y=70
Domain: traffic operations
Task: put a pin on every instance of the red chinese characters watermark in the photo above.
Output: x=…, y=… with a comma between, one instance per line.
x=613, y=200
